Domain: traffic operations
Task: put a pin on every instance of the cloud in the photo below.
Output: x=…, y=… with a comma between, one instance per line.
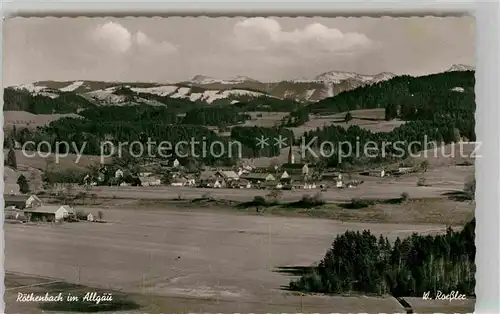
x=118, y=39
x=265, y=34
x=144, y=42
x=114, y=36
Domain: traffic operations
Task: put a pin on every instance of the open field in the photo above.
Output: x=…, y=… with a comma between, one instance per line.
x=199, y=256
x=39, y=161
x=370, y=119
x=24, y=118
x=264, y=118
x=446, y=211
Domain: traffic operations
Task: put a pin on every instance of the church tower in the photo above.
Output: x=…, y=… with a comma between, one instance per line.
x=291, y=157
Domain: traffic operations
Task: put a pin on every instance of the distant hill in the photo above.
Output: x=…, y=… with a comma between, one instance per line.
x=72, y=96
x=200, y=88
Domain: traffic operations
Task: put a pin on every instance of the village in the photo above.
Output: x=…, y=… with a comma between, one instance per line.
x=291, y=175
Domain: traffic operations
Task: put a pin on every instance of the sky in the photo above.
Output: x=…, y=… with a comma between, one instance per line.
x=268, y=49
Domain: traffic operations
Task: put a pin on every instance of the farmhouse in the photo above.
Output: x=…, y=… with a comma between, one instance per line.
x=22, y=201
x=293, y=178
x=46, y=213
x=69, y=211
x=227, y=175
x=178, y=182
x=240, y=184
x=258, y=177
x=405, y=170
x=212, y=183
x=183, y=180
x=272, y=184
x=284, y=176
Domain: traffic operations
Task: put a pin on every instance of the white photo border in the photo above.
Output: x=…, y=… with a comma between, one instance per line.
x=487, y=15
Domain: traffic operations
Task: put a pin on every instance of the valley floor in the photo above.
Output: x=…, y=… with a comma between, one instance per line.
x=191, y=261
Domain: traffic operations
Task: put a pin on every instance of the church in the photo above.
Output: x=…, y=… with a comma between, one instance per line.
x=292, y=171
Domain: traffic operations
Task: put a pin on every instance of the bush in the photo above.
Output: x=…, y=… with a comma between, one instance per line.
x=308, y=201
x=80, y=214
x=357, y=203
x=421, y=182
x=470, y=187
x=259, y=201
x=405, y=196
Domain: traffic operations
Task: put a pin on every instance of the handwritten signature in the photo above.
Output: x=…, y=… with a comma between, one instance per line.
x=453, y=295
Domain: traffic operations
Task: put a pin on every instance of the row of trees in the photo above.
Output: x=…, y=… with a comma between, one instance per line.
x=389, y=145
x=361, y=262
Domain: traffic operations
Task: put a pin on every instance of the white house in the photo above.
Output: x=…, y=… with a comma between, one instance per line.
x=118, y=173
x=150, y=181
x=285, y=175
x=178, y=182
x=176, y=163
x=68, y=211
x=217, y=184
x=242, y=171
x=404, y=170
x=33, y=201
x=309, y=186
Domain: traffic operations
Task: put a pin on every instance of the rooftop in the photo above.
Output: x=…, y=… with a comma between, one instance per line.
x=16, y=197
x=228, y=174
x=43, y=209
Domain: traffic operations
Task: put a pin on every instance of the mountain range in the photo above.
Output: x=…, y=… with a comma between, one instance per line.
x=213, y=90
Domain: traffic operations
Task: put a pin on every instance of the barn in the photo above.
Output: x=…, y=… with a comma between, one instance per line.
x=46, y=213
x=22, y=201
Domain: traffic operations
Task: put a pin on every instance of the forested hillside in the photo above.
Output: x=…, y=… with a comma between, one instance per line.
x=421, y=91
x=438, y=108
x=23, y=100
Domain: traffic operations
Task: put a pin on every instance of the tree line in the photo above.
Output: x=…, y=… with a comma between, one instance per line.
x=361, y=262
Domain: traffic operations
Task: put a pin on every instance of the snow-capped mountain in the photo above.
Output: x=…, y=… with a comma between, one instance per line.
x=338, y=76
x=205, y=80
x=212, y=90
x=460, y=67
